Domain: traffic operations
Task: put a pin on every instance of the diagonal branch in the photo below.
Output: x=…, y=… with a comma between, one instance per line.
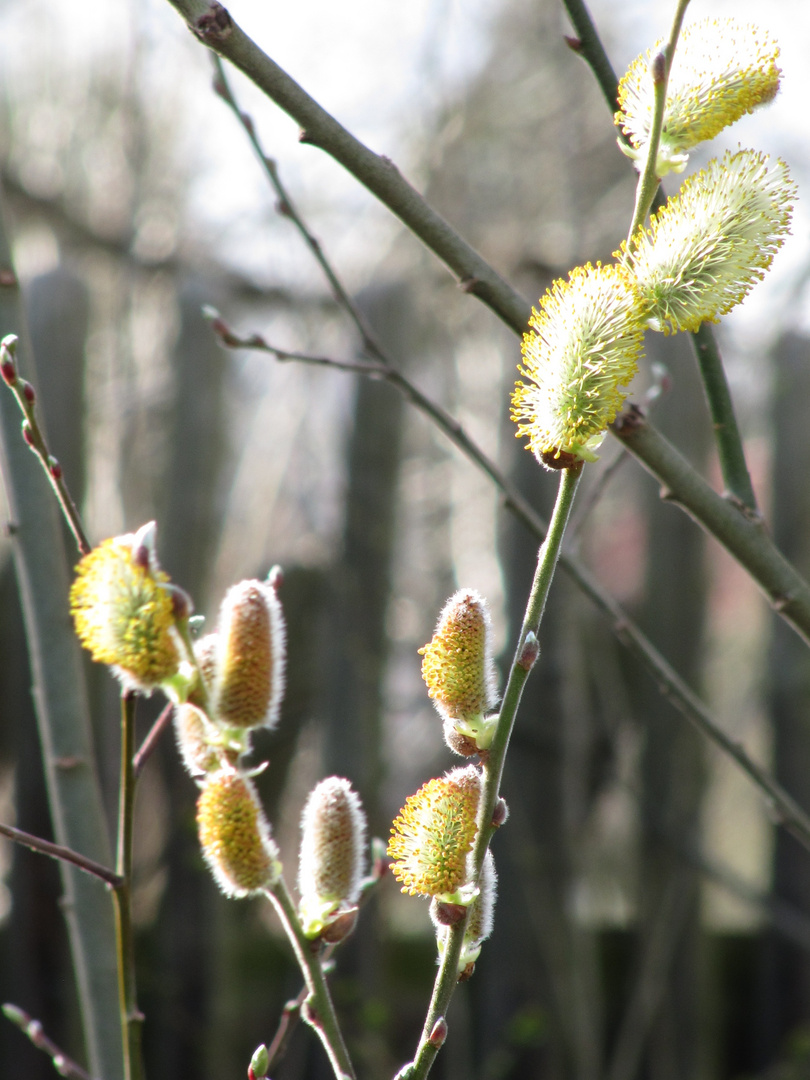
x=213, y=25
x=783, y=807
x=62, y=853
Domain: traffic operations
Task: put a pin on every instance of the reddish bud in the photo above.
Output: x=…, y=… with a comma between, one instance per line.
x=448, y=914
x=27, y=434
x=340, y=928
x=54, y=468
x=28, y=391
x=182, y=604
x=658, y=68
x=529, y=652
x=500, y=813
x=439, y=1033
x=8, y=371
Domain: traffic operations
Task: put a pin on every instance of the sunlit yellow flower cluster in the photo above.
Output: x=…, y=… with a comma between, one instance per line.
x=123, y=612
x=434, y=832
x=699, y=257
x=721, y=71
x=578, y=358
x=707, y=246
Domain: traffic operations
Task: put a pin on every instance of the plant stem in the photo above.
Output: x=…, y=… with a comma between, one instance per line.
x=548, y=556
x=131, y=1016
x=60, y=700
x=649, y=180
x=59, y=852
x=669, y=682
x=318, y=1010
x=727, y=435
x=32, y=1028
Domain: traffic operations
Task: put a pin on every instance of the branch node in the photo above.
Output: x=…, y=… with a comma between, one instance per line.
x=469, y=285
x=69, y=762
x=214, y=27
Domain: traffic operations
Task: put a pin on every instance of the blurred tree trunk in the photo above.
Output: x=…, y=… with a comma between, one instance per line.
x=180, y=982
x=36, y=971
x=542, y=954
x=662, y=1025
x=784, y=1004
x=357, y=649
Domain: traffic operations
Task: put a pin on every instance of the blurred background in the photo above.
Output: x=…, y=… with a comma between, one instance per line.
x=651, y=922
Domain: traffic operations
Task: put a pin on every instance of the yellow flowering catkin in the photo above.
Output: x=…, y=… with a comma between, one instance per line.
x=578, y=358
x=457, y=664
x=235, y=836
x=433, y=833
x=710, y=243
x=722, y=70
x=122, y=611
x=249, y=667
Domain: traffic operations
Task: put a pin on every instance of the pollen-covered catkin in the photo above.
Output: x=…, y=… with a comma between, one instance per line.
x=434, y=832
x=459, y=670
x=124, y=613
x=579, y=356
x=722, y=70
x=235, y=835
x=709, y=244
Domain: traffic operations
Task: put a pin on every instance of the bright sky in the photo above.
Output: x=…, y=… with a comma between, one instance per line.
x=382, y=68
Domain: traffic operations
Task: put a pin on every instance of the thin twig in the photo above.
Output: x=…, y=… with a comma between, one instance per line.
x=152, y=739
x=786, y=811
x=288, y=209
x=32, y=433
x=317, y=1010
x=131, y=1016
x=57, y=851
x=63, y=1064
x=730, y=452
x=525, y=655
x=649, y=181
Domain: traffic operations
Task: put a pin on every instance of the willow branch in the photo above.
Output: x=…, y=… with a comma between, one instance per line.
x=153, y=737
x=61, y=853
x=730, y=451
x=744, y=537
x=131, y=1016
x=32, y=1028
x=785, y=810
x=731, y=455
x=317, y=1009
x=526, y=653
